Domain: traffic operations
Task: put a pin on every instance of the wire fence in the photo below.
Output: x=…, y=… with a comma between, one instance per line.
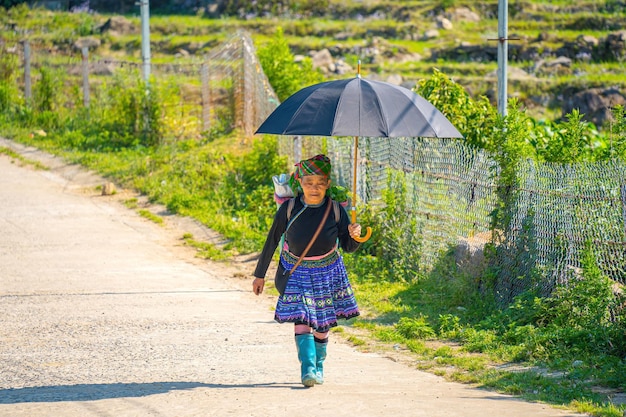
x=557, y=210
x=225, y=86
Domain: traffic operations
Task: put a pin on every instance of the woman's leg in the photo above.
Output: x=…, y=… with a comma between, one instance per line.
x=320, y=335
x=306, y=354
x=321, y=342
x=302, y=329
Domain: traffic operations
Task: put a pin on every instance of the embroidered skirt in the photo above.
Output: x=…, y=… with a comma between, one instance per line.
x=317, y=293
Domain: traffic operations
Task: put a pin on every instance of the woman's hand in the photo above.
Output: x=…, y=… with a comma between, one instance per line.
x=257, y=285
x=354, y=229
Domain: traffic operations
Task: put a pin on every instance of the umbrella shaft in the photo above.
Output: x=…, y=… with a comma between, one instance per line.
x=356, y=158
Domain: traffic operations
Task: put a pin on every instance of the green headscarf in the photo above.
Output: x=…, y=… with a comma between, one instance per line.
x=317, y=165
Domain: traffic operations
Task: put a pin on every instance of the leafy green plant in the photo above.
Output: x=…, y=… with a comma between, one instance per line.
x=7, y=94
x=475, y=119
x=283, y=73
x=251, y=176
x=449, y=325
x=580, y=310
x=414, y=328
x=127, y=113
x=616, y=143
x=398, y=243
x=46, y=91
x=571, y=141
x=338, y=193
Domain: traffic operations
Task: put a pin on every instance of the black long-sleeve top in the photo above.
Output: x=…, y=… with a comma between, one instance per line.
x=301, y=231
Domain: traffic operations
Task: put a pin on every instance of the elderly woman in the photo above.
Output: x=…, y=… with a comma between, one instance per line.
x=315, y=293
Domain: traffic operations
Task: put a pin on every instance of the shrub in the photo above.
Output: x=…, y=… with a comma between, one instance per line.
x=396, y=241
x=475, y=119
x=283, y=73
x=130, y=112
x=414, y=328
x=248, y=186
x=580, y=309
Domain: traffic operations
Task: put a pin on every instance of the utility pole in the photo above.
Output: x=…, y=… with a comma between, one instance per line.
x=145, y=38
x=503, y=51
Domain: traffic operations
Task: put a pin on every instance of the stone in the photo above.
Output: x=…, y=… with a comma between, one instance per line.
x=108, y=188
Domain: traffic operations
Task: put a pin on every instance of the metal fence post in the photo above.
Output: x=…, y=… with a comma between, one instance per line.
x=85, y=54
x=623, y=195
x=28, y=92
x=503, y=23
x=248, y=91
x=145, y=38
x=206, y=97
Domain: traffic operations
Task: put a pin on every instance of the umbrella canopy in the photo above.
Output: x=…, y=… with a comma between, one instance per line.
x=358, y=107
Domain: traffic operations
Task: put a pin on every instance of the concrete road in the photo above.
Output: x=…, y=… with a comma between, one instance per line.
x=104, y=313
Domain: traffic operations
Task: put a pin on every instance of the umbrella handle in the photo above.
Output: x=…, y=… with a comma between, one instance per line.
x=365, y=238
x=368, y=232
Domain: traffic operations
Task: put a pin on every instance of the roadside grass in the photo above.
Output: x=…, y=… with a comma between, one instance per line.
x=131, y=203
x=22, y=161
x=147, y=214
x=385, y=326
x=206, y=250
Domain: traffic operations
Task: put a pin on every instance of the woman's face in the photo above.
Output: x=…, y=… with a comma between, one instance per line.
x=314, y=187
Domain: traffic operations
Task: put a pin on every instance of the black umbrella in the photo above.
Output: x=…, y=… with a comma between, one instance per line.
x=360, y=108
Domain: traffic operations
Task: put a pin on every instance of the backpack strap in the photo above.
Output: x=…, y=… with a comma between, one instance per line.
x=290, y=204
x=336, y=207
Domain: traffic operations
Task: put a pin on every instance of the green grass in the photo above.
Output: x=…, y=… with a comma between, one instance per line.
x=206, y=250
x=23, y=161
x=131, y=203
x=147, y=214
x=568, y=388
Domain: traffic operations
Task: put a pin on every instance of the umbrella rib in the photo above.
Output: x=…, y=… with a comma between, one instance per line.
x=295, y=116
x=360, y=95
x=300, y=108
x=336, y=116
x=382, y=112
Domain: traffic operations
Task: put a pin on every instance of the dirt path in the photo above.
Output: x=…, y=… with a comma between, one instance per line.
x=104, y=313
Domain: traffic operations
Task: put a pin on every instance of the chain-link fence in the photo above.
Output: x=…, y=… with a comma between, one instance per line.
x=450, y=186
x=557, y=212
x=197, y=94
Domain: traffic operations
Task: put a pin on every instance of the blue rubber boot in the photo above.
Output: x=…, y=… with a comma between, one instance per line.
x=306, y=355
x=320, y=354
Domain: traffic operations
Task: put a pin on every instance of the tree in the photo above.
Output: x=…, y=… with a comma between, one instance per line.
x=475, y=119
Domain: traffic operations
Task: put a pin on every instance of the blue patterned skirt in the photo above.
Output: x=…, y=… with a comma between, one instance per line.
x=317, y=293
